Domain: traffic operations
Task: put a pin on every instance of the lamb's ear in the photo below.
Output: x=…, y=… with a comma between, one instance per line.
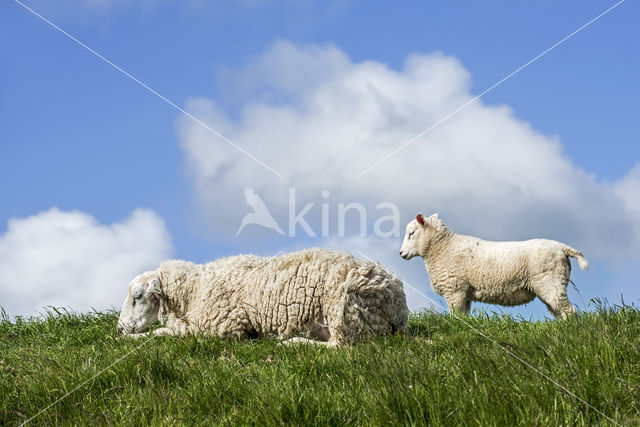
x=420, y=218
x=154, y=287
x=434, y=216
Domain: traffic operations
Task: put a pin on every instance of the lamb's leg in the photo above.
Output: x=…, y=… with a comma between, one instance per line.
x=562, y=308
x=467, y=307
x=551, y=309
x=565, y=307
x=458, y=303
x=554, y=294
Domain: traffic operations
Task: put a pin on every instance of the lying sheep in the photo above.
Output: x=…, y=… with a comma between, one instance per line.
x=326, y=295
x=464, y=268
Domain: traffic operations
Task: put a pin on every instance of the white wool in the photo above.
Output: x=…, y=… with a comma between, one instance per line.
x=324, y=294
x=463, y=269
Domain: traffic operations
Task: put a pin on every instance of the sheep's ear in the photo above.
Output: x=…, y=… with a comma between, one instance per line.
x=420, y=218
x=154, y=286
x=434, y=216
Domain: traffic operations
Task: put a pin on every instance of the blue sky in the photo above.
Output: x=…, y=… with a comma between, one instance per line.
x=79, y=136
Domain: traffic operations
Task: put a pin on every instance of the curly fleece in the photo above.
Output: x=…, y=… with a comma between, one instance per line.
x=315, y=292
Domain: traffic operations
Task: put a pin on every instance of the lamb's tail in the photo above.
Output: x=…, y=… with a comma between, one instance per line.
x=574, y=253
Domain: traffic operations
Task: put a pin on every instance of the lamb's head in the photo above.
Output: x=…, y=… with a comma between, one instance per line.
x=142, y=305
x=420, y=234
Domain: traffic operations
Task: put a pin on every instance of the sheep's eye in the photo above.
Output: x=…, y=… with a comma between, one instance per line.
x=134, y=298
x=411, y=234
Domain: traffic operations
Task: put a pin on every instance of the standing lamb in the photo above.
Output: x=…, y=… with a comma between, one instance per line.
x=464, y=268
x=326, y=295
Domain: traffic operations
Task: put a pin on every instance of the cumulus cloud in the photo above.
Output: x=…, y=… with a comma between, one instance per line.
x=68, y=259
x=320, y=119
x=628, y=189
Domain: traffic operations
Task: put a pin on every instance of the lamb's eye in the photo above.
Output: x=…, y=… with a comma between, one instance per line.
x=411, y=234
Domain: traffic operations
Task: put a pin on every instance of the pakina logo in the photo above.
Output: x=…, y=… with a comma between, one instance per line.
x=262, y=216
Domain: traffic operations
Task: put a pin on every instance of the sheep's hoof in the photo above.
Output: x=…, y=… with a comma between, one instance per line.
x=136, y=336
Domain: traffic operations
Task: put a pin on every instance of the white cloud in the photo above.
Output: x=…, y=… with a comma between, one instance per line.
x=320, y=119
x=628, y=189
x=68, y=259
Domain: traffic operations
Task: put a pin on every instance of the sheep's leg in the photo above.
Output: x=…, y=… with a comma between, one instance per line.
x=326, y=335
x=164, y=331
x=157, y=332
x=301, y=340
x=136, y=336
x=319, y=331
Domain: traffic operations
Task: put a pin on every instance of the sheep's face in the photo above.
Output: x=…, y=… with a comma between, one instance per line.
x=141, y=307
x=418, y=236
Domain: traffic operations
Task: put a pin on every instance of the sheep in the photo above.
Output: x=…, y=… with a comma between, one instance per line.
x=465, y=269
x=326, y=295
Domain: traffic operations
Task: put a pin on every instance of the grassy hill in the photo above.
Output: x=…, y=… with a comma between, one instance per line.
x=470, y=371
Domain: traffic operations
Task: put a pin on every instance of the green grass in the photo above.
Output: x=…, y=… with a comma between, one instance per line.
x=443, y=372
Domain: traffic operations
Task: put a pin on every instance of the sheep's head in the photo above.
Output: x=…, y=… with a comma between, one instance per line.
x=141, y=307
x=419, y=235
